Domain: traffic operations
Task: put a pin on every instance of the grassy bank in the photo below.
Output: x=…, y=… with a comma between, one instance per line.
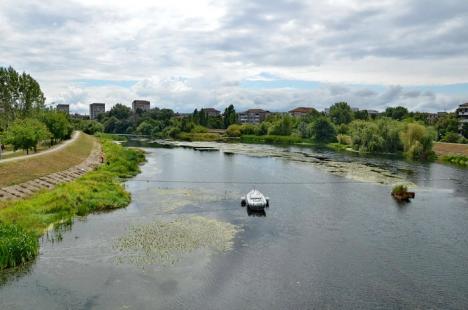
x=99, y=190
x=458, y=160
x=26, y=169
x=273, y=139
x=204, y=136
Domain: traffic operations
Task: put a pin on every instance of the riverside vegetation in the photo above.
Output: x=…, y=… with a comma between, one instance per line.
x=23, y=221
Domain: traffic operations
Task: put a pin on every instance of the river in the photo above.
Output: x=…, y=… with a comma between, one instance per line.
x=330, y=238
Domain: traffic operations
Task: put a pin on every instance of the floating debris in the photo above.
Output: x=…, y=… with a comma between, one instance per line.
x=165, y=243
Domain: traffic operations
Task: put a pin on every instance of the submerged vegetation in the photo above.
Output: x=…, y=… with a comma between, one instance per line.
x=162, y=242
x=98, y=190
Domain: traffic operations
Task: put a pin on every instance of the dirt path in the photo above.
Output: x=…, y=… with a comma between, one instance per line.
x=450, y=148
x=55, y=148
x=49, y=181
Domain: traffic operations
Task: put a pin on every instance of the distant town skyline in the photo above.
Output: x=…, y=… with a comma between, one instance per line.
x=273, y=55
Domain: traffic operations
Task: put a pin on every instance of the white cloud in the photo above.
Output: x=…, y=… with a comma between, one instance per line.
x=195, y=53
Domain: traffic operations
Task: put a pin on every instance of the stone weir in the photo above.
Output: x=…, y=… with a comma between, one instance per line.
x=26, y=189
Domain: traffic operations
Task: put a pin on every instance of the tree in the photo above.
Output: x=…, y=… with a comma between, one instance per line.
x=417, y=141
x=26, y=134
x=91, y=127
x=465, y=130
x=229, y=116
x=341, y=113
x=20, y=95
x=447, y=123
x=362, y=114
x=58, y=125
x=145, y=128
x=110, y=124
x=322, y=130
x=397, y=113
x=303, y=130
x=282, y=126
x=120, y=111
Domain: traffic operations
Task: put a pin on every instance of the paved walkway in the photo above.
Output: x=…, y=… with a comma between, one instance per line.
x=57, y=147
x=27, y=189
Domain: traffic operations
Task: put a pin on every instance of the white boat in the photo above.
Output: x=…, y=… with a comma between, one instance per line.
x=255, y=200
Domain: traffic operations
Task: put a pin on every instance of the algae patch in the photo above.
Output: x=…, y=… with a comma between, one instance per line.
x=166, y=242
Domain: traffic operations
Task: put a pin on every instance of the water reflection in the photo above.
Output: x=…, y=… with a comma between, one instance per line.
x=255, y=213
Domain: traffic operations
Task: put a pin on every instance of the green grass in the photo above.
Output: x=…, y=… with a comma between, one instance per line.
x=111, y=136
x=272, y=139
x=208, y=136
x=400, y=189
x=96, y=191
x=16, y=246
x=458, y=160
x=26, y=169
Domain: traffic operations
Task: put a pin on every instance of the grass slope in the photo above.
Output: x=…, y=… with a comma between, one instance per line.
x=28, y=169
x=26, y=220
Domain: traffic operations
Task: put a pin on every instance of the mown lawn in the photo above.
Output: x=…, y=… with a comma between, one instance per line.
x=23, y=170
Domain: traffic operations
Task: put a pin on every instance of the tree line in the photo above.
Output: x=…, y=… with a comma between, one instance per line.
x=24, y=119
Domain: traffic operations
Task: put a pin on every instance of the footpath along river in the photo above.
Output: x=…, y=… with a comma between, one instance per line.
x=333, y=237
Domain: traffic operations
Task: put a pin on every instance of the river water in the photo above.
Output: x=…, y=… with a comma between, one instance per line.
x=328, y=240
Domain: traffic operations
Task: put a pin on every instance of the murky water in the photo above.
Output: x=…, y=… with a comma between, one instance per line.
x=328, y=240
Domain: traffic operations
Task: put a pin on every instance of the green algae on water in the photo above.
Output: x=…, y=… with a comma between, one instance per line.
x=166, y=242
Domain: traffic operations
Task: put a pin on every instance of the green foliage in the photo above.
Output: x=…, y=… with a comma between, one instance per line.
x=344, y=139
x=26, y=134
x=450, y=137
x=262, y=129
x=248, y=129
x=207, y=136
x=303, y=130
x=464, y=130
x=20, y=96
x=459, y=160
x=322, y=130
x=341, y=113
x=362, y=114
x=16, y=246
x=417, y=142
x=229, y=116
x=400, y=189
x=199, y=129
x=234, y=130
x=120, y=111
x=58, y=125
x=446, y=124
x=397, y=113
x=282, y=126
x=97, y=190
x=271, y=139
x=145, y=128
x=90, y=127
x=380, y=136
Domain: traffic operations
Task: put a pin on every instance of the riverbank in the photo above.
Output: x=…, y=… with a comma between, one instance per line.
x=26, y=168
x=99, y=190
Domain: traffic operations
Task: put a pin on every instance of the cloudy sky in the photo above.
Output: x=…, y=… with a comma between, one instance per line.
x=273, y=54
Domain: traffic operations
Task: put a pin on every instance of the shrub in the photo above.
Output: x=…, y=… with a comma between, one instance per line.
x=417, y=141
x=322, y=130
x=248, y=129
x=16, y=246
x=234, y=130
x=400, y=189
x=344, y=139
